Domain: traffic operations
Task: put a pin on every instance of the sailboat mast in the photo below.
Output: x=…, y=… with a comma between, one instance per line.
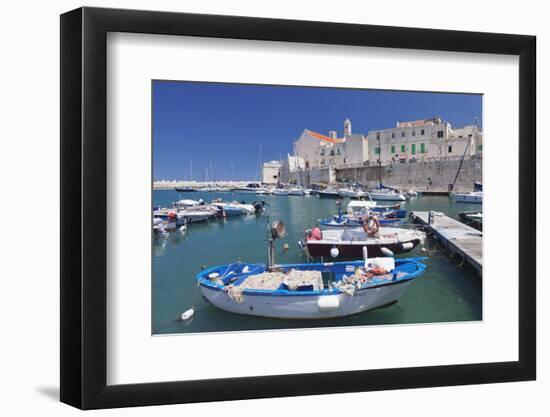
x=379, y=162
x=464, y=156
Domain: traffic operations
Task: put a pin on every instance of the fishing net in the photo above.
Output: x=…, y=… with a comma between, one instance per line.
x=272, y=281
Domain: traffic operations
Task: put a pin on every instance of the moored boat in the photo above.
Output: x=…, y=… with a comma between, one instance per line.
x=348, y=243
x=309, y=291
x=328, y=193
x=386, y=195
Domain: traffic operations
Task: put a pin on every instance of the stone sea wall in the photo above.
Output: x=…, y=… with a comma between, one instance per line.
x=427, y=176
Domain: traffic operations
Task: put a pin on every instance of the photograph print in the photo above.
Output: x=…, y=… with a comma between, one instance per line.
x=294, y=207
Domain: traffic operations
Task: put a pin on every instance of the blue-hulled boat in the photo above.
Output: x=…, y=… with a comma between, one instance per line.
x=309, y=291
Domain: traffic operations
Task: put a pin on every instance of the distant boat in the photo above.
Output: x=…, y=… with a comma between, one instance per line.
x=252, y=187
x=296, y=191
x=280, y=191
x=185, y=189
x=386, y=194
x=328, y=193
x=298, y=291
x=475, y=196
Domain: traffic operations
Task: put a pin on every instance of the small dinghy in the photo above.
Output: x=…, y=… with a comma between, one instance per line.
x=308, y=291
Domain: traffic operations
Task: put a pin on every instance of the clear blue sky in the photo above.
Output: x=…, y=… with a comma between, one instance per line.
x=215, y=125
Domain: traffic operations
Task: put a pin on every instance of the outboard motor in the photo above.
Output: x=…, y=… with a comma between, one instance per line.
x=259, y=206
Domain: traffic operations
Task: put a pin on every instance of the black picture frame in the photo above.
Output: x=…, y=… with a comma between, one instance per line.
x=84, y=207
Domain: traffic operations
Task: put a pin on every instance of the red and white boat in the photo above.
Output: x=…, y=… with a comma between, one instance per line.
x=349, y=243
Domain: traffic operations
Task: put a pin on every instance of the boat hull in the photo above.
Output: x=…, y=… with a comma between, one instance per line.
x=467, y=198
x=387, y=196
x=354, y=250
x=323, y=194
x=307, y=306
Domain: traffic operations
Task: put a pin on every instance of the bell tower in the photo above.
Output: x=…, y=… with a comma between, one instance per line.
x=347, y=127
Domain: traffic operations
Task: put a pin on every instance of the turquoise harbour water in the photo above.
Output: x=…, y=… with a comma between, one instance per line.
x=446, y=292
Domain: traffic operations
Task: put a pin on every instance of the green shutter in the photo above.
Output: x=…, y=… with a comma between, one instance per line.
x=377, y=151
x=402, y=148
x=422, y=148
x=393, y=149
x=413, y=148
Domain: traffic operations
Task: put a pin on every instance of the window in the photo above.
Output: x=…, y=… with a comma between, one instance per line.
x=393, y=135
x=393, y=149
x=422, y=148
x=307, y=164
x=377, y=151
x=402, y=134
x=414, y=132
x=344, y=160
x=450, y=149
x=338, y=151
x=439, y=133
x=402, y=148
x=422, y=132
x=413, y=148
x=332, y=152
x=322, y=152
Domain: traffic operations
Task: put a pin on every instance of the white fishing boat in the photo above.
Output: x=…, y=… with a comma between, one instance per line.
x=475, y=197
x=187, y=203
x=198, y=215
x=296, y=191
x=230, y=209
x=348, y=192
x=308, y=291
x=280, y=191
x=383, y=194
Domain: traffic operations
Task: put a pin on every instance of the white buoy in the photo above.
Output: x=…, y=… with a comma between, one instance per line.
x=407, y=245
x=186, y=315
x=334, y=252
x=386, y=251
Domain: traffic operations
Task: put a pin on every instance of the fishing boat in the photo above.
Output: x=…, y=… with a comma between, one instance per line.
x=185, y=189
x=280, y=191
x=252, y=187
x=348, y=192
x=386, y=194
x=328, y=193
x=296, y=191
x=308, y=291
x=230, y=209
x=475, y=196
x=348, y=243
x=199, y=215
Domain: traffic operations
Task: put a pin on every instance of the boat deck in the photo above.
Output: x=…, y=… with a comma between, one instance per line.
x=454, y=235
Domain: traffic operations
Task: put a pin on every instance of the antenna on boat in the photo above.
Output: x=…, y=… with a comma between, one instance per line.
x=277, y=231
